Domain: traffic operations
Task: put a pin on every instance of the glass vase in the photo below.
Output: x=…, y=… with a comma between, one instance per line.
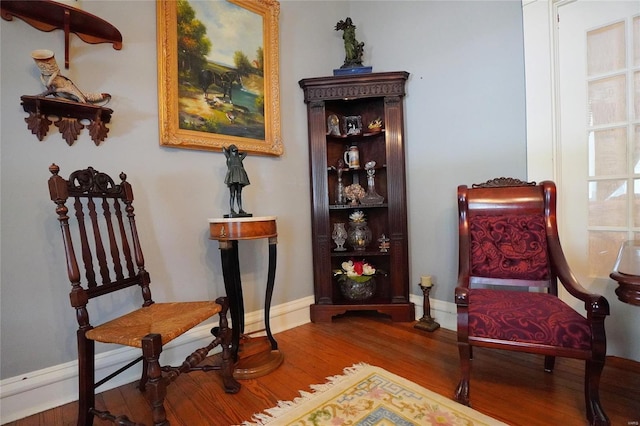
x=339, y=236
x=359, y=235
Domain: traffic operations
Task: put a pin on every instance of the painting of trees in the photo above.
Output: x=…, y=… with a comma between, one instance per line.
x=218, y=78
x=193, y=43
x=220, y=91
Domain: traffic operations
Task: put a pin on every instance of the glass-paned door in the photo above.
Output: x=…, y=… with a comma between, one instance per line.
x=599, y=89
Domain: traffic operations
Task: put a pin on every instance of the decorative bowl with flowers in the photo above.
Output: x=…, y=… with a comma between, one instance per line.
x=356, y=279
x=357, y=270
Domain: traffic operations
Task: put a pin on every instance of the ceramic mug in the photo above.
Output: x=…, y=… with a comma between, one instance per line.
x=352, y=157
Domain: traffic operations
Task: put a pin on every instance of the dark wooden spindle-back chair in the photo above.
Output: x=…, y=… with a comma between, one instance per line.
x=508, y=240
x=103, y=227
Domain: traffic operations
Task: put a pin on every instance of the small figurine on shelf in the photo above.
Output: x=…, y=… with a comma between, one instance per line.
x=339, y=168
x=236, y=179
x=353, y=48
x=375, y=125
x=333, y=125
x=384, y=244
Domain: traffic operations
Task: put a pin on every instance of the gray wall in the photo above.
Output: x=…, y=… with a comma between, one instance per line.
x=465, y=123
x=465, y=110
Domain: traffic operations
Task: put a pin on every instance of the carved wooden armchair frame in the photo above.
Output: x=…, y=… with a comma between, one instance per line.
x=508, y=236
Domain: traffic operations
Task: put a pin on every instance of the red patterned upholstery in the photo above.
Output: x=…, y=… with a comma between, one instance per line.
x=509, y=247
x=539, y=318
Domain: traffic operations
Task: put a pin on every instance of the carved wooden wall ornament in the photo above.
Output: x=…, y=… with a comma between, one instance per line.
x=69, y=116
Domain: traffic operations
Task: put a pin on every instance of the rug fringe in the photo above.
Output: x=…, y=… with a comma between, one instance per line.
x=271, y=414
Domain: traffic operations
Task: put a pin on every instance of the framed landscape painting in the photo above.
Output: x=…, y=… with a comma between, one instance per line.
x=218, y=76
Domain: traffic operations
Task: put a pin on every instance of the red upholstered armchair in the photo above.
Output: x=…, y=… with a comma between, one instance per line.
x=509, y=242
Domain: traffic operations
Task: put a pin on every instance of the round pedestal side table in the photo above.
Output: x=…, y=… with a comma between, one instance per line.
x=257, y=356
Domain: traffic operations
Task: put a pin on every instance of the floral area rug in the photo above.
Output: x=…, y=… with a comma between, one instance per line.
x=372, y=396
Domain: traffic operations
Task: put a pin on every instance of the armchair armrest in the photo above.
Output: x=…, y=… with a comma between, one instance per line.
x=594, y=304
x=462, y=296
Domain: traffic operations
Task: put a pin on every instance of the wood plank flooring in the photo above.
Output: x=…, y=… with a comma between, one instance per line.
x=508, y=386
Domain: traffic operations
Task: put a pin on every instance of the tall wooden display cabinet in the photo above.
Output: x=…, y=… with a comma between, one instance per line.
x=339, y=111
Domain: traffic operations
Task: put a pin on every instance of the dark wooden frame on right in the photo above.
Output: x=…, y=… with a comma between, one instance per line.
x=483, y=283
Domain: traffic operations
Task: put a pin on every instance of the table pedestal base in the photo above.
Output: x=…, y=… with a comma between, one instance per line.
x=256, y=358
x=258, y=365
x=628, y=290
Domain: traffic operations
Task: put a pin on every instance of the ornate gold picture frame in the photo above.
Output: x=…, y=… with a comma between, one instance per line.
x=218, y=74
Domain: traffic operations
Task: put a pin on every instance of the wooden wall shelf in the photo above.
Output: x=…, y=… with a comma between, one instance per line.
x=46, y=15
x=69, y=114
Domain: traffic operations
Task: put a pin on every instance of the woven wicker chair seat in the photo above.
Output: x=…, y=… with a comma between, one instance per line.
x=170, y=320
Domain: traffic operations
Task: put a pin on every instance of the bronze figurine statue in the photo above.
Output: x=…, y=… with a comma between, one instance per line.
x=353, y=49
x=236, y=179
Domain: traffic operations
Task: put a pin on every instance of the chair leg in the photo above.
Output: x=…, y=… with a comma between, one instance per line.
x=549, y=363
x=142, y=385
x=595, y=412
x=151, y=349
x=86, y=379
x=462, y=391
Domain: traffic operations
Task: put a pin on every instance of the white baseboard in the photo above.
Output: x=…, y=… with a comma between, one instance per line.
x=444, y=313
x=41, y=390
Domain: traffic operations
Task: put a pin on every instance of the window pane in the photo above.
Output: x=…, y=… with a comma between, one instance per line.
x=636, y=150
x=608, y=203
x=636, y=203
x=636, y=93
x=607, y=100
x=603, y=251
x=636, y=37
x=609, y=153
x=606, y=49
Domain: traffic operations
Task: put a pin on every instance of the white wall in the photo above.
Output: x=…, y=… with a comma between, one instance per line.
x=464, y=120
x=537, y=41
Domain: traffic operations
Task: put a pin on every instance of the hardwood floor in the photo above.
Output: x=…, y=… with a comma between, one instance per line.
x=508, y=386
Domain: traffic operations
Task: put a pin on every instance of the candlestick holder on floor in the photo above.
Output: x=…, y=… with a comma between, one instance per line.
x=426, y=323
